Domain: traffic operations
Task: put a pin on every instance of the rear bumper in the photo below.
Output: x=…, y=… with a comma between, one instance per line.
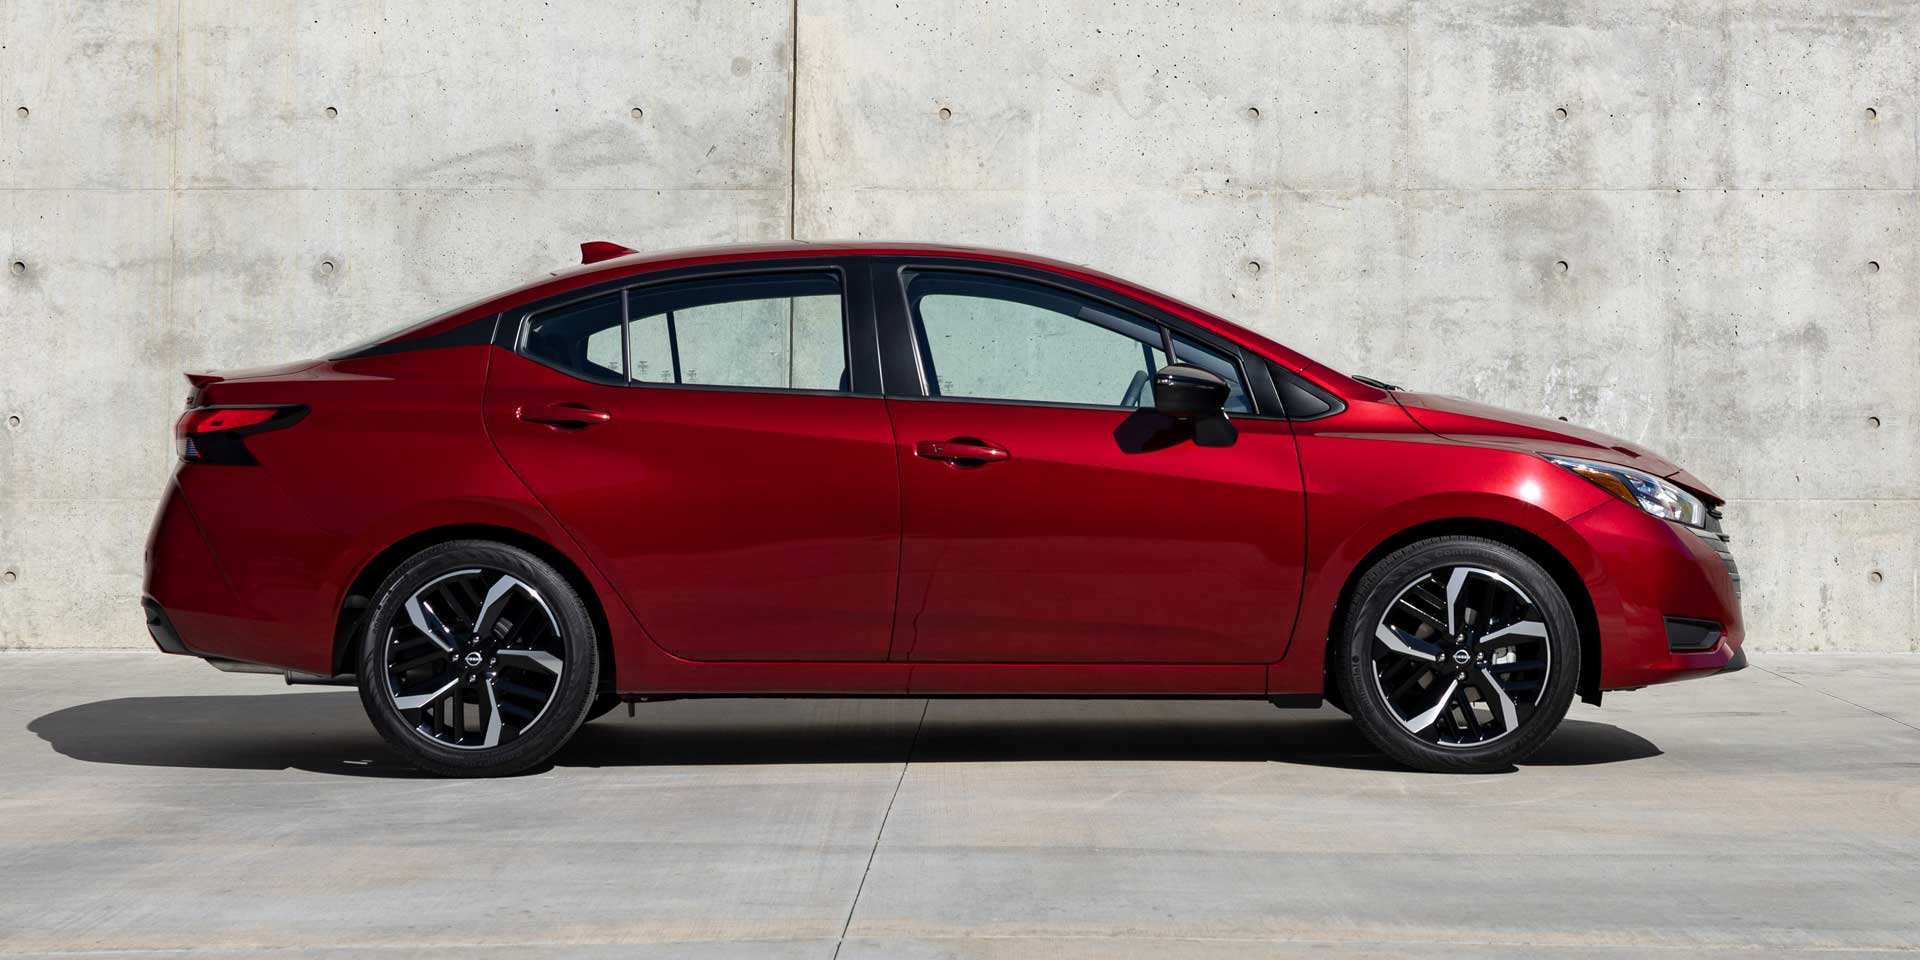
x=183, y=581
x=1666, y=597
x=190, y=604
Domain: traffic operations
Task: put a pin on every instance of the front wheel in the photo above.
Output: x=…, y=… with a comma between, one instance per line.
x=1459, y=654
x=478, y=660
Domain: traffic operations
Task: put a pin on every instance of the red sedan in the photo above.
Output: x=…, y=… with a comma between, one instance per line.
x=900, y=470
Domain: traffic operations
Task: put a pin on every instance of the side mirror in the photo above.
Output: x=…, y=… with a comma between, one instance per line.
x=1186, y=392
x=1198, y=398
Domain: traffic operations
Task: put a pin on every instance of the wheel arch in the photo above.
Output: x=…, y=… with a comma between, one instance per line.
x=1537, y=549
x=359, y=596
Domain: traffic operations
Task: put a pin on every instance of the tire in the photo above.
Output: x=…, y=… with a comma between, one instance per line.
x=1506, y=670
x=478, y=660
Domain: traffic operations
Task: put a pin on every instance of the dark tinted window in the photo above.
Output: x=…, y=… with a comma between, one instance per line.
x=1302, y=400
x=582, y=338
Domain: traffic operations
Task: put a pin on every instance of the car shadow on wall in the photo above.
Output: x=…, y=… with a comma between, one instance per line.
x=326, y=732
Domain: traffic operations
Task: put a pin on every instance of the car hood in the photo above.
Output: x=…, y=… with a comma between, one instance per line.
x=1458, y=419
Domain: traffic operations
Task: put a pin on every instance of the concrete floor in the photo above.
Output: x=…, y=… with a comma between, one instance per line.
x=150, y=804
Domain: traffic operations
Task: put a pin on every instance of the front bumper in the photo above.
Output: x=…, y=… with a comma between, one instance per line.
x=1645, y=576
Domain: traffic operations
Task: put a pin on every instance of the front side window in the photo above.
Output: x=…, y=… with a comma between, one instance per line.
x=780, y=331
x=1187, y=350
x=992, y=338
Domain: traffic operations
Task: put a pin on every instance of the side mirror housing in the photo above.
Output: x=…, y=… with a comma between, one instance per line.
x=1196, y=397
x=1186, y=392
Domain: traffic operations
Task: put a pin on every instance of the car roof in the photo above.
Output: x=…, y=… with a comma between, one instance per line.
x=639, y=262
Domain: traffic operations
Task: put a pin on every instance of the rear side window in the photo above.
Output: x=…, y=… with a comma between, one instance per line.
x=777, y=331
x=785, y=331
x=582, y=338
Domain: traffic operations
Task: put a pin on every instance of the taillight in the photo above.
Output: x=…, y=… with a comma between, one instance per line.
x=218, y=434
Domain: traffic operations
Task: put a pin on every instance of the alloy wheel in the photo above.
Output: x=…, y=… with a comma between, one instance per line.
x=1461, y=656
x=475, y=659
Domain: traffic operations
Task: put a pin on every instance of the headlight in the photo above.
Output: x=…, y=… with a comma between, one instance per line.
x=1644, y=490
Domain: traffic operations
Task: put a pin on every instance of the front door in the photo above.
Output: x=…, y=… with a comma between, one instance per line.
x=1049, y=518
x=702, y=440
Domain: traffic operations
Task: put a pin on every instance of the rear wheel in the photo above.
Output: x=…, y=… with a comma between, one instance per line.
x=1460, y=654
x=479, y=659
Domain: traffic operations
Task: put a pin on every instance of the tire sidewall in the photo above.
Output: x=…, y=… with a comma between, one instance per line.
x=1378, y=589
x=571, y=701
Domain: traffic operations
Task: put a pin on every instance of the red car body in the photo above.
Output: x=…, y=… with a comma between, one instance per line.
x=741, y=542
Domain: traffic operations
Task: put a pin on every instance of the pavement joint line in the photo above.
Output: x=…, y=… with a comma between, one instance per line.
x=925, y=705
x=1836, y=696
x=1275, y=188
x=412, y=946
x=1546, y=942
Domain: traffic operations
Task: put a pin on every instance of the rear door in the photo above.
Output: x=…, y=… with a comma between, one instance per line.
x=716, y=443
x=1050, y=516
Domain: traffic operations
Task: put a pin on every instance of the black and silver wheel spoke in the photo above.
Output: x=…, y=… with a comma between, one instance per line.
x=1420, y=722
x=1406, y=644
x=1461, y=656
x=1496, y=697
x=539, y=659
x=418, y=701
x=429, y=623
x=477, y=659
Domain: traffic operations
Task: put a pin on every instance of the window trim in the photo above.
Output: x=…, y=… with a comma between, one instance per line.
x=1335, y=405
x=1260, y=393
x=517, y=330
x=524, y=329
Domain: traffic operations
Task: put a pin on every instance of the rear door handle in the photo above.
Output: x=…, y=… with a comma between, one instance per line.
x=961, y=451
x=563, y=414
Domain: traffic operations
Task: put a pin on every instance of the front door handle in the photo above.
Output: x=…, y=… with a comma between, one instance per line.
x=563, y=414
x=961, y=451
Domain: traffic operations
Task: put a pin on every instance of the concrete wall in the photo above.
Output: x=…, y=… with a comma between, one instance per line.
x=1711, y=251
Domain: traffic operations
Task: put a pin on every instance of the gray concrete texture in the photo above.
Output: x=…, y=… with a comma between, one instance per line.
x=153, y=806
x=1691, y=223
